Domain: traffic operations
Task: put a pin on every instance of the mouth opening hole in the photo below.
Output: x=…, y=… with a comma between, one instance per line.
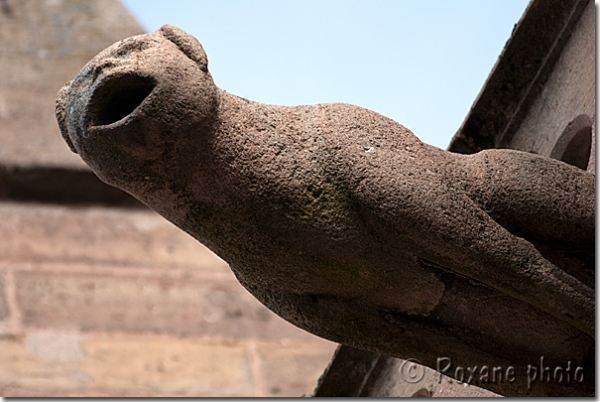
x=121, y=97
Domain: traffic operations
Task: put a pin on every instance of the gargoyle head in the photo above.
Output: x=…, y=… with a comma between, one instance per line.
x=131, y=102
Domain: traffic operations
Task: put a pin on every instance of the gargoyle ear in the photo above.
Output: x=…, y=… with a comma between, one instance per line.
x=61, y=116
x=187, y=44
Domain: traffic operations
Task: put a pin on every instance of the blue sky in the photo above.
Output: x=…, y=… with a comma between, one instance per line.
x=422, y=63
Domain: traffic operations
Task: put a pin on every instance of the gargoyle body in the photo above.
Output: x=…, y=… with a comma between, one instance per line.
x=335, y=217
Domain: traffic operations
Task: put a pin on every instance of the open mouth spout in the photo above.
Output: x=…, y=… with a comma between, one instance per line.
x=118, y=97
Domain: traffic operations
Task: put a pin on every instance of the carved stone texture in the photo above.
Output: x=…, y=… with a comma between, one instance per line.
x=340, y=220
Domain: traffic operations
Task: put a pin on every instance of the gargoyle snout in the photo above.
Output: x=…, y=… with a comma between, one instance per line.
x=107, y=108
x=134, y=93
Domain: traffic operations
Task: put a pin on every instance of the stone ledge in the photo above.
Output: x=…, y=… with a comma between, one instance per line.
x=55, y=363
x=125, y=237
x=158, y=304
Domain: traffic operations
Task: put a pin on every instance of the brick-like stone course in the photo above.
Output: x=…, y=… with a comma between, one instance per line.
x=188, y=366
x=288, y=366
x=140, y=364
x=3, y=303
x=158, y=304
x=127, y=237
x=58, y=363
x=87, y=327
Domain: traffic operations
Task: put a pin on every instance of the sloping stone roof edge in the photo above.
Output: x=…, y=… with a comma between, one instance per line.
x=519, y=75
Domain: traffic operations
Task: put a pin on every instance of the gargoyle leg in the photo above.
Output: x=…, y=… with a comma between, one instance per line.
x=450, y=229
x=484, y=250
x=535, y=197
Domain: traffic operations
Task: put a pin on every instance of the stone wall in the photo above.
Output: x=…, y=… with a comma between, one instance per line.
x=100, y=296
x=566, y=105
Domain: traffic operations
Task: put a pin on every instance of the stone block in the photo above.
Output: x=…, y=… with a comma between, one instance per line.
x=34, y=232
x=292, y=370
x=3, y=303
x=188, y=366
x=182, y=306
x=114, y=365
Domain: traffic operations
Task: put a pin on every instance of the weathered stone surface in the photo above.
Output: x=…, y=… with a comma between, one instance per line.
x=42, y=45
x=347, y=373
x=161, y=304
x=353, y=373
x=341, y=220
x=34, y=232
x=3, y=305
x=292, y=370
x=114, y=365
x=401, y=378
x=568, y=93
x=172, y=366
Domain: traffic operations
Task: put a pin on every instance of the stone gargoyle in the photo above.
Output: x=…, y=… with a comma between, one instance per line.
x=339, y=219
